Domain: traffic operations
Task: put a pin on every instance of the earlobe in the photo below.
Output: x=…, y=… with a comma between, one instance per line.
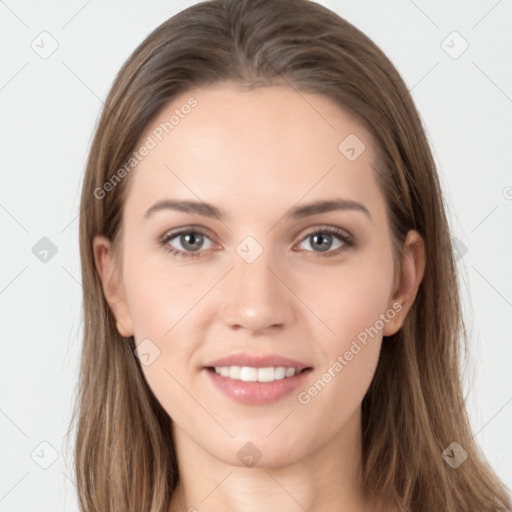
x=123, y=331
x=112, y=285
x=412, y=272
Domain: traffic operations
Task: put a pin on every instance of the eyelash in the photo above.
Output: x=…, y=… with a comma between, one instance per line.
x=176, y=253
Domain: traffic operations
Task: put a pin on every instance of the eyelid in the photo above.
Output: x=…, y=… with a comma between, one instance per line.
x=205, y=231
x=172, y=233
x=334, y=229
x=346, y=238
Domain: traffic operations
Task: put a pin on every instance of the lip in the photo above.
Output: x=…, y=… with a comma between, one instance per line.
x=257, y=361
x=257, y=393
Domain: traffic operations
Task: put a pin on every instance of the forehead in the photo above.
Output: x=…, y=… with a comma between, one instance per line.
x=271, y=145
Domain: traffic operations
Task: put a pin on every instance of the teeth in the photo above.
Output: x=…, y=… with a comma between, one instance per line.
x=290, y=372
x=250, y=374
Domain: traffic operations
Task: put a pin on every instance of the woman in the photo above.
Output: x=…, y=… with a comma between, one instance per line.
x=271, y=307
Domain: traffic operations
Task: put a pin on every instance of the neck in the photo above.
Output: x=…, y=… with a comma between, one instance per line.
x=327, y=479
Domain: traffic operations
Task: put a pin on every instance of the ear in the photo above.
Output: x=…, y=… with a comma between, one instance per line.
x=412, y=271
x=112, y=284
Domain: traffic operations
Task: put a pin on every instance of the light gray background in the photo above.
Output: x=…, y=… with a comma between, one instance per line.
x=49, y=108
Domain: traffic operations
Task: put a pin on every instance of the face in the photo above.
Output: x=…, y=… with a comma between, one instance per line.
x=263, y=275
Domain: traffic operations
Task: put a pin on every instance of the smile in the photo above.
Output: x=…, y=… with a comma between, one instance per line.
x=251, y=374
x=249, y=386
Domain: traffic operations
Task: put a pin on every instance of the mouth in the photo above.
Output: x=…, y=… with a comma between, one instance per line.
x=254, y=374
x=256, y=386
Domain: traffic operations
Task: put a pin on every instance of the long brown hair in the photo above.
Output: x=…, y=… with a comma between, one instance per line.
x=125, y=458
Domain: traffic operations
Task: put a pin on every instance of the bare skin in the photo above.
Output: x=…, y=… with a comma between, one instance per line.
x=255, y=155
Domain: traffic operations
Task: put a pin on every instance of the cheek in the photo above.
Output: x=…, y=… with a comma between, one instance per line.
x=355, y=306
x=163, y=306
x=166, y=305
x=351, y=299
x=160, y=294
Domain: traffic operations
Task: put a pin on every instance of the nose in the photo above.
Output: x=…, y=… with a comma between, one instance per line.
x=255, y=296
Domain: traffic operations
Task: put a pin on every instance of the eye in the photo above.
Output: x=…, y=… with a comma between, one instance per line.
x=321, y=238
x=191, y=242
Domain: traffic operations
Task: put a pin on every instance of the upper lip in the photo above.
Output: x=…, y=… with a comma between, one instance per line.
x=257, y=361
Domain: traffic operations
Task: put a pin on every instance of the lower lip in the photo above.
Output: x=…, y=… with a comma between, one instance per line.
x=257, y=393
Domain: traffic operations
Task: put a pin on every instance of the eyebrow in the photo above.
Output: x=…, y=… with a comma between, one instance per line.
x=298, y=212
